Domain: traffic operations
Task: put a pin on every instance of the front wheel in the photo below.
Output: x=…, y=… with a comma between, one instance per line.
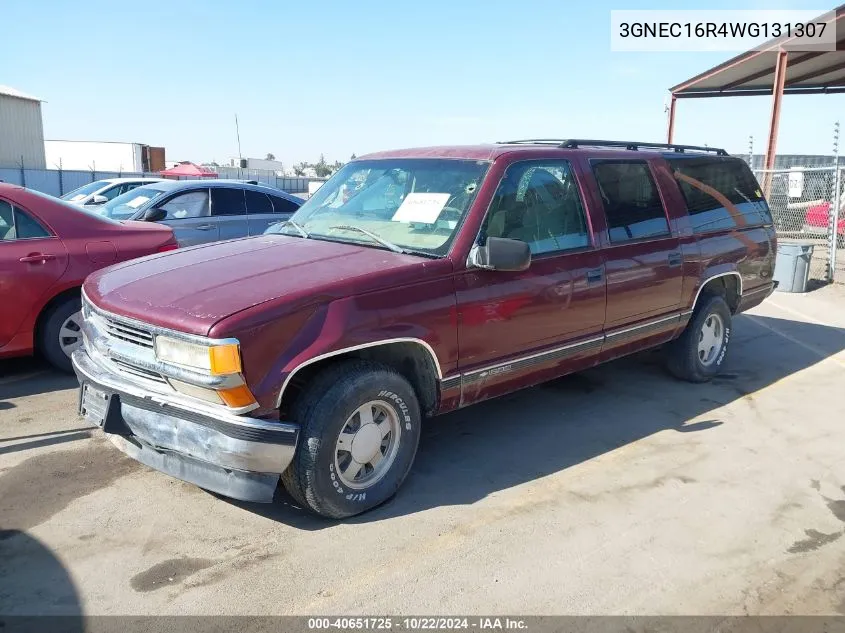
x=61, y=333
x=699, y=353
x=360, y=427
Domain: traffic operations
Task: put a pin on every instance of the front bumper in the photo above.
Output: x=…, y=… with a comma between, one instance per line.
x=236, y=456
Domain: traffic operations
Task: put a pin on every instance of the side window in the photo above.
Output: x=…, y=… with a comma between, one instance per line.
x=193, y=204
x=257, y=202
x=18, y=225
x=225, y=201
x=631, y=202
x=128, y=186
x=28, y=227
x=280, y=205
x=112, y=192
x=721, y=193
x=7, y=222
x=538, y=202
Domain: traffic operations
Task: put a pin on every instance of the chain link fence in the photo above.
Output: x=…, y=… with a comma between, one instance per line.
x=805, y=203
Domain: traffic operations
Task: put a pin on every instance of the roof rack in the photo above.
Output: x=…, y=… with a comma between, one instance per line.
x=630, y=145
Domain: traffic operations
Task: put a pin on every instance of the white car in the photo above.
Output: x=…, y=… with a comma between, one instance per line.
x=101, y=191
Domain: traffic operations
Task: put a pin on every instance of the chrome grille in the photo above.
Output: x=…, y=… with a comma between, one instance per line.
x=138, y=371
x=128, y=333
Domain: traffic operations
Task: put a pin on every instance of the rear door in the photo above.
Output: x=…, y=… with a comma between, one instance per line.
x=189, y=215
x=31, y=260
x=228, y=211
x=259, y=209
x=642, y=253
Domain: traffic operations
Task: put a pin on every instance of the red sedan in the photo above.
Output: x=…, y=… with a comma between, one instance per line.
x=47, y=249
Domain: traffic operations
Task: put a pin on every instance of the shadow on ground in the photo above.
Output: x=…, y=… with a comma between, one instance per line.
x=29, y=376
x=469, y=454
x=31, y=574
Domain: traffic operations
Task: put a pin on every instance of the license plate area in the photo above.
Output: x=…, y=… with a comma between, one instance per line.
x=94, y=405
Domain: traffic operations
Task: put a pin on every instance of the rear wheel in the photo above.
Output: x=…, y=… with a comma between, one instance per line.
x=698, y=354
x=61, y=333
x=360, y=427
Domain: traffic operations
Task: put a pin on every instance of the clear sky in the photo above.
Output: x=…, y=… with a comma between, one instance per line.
x=340, y=76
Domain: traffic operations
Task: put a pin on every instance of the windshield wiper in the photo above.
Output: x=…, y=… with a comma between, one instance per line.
x=371, y=235
x=295, y=225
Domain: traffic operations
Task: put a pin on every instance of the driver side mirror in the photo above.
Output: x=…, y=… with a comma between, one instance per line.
x=98, y=199
x=500, y=253
x=155, y=215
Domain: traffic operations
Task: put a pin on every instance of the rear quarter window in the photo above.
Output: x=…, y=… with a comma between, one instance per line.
x=720, y=193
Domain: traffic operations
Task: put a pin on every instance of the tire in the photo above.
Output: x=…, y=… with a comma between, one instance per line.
x=684, y=354
x=320, y=476
x=51, y=342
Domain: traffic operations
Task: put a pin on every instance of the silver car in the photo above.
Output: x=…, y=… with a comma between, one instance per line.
x=201, y=211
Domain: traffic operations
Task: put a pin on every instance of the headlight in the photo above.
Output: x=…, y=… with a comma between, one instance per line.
x=215, y=359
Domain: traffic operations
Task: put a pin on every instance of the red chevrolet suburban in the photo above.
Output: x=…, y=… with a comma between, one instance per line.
x=311, y=355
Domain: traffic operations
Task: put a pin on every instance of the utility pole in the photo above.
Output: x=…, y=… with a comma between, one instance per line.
x=833, y=218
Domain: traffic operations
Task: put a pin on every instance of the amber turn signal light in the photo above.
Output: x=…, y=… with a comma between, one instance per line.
x=224, y=359
x=237, y=397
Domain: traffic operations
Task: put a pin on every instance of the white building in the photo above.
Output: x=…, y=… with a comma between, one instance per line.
x=21, y=130
x=258, y=163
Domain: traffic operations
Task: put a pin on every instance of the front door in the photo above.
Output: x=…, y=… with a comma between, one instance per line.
x=189, y=215
x=519, y=328
x=31, y=260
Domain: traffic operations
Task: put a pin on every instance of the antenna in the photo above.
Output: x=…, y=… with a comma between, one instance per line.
x=238, y=133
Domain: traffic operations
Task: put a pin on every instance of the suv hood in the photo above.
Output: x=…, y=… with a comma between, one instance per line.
x=191, y=289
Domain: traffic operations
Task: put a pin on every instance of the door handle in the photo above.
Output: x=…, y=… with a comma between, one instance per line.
x=36, y=257
x=595, y=275
x=675, y=260
x=204, y=227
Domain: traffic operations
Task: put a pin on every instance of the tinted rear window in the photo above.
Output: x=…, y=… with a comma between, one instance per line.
x=225, y=201
x=721, y=193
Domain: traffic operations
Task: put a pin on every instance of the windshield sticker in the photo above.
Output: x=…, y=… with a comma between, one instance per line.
x=137, y=202
x=421, y=207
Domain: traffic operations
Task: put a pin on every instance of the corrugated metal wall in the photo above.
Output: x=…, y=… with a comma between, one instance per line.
x=21, y=133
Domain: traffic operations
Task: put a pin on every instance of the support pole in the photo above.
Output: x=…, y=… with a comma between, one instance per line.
x=777, y=98
x=670, y=133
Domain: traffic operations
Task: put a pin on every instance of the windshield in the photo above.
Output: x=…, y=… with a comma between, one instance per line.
x=126, y=205
x=84, y=190
x=416, y=205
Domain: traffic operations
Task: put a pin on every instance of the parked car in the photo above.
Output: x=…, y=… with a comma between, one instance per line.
x=47, y=248
x=312, y=355
x=817, y=221
x=201, y=211
x=101, y=191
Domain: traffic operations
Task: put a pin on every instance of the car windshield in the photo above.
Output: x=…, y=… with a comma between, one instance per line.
x=416, y=205
x=126, y=205
x=84, y=190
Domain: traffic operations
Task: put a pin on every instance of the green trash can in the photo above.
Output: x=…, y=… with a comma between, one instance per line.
x=792, y=266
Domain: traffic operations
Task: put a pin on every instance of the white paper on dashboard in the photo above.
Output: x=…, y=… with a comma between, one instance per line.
x=137, y=202
x=421, y=207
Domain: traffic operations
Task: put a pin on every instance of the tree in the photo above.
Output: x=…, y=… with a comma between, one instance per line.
x=299, y=168
x=322, y=169
x=269, y=157
x=353, y=157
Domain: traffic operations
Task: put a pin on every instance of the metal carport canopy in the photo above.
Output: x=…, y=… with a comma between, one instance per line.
x=772, y=69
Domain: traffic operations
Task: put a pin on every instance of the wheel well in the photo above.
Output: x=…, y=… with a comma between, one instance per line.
x=412, y=360
x=725, y=286
x=59, y=298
